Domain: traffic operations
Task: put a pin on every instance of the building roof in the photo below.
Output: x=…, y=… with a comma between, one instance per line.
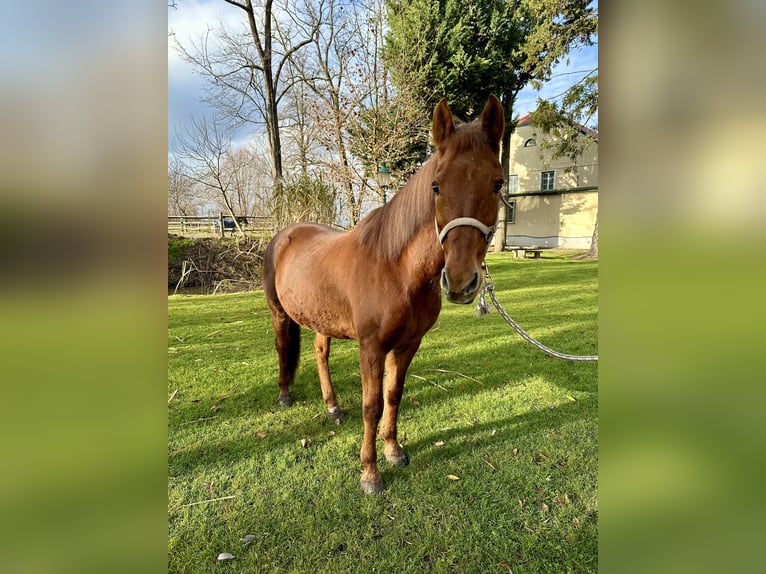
x=526, y=120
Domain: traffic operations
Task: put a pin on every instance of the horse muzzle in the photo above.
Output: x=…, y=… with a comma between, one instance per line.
x=461, y=292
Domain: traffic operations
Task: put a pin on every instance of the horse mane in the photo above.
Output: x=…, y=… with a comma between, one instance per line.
x=389, y=228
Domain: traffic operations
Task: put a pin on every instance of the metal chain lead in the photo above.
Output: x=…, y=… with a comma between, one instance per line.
x=482, y=308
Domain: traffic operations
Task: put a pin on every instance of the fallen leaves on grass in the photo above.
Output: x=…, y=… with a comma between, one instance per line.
x=453, y=477
x=490, y=465
x=260, y=434
x=247, y=538
x=305, y=442
x=225, y=556
x=439, y=443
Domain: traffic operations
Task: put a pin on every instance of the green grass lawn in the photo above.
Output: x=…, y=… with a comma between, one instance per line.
x=516, y=427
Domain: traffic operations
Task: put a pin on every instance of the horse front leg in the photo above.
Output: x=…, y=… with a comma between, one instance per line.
x=397, y=363
x=371, y=363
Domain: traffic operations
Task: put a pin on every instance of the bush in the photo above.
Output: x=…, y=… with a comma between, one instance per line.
x=210, y=265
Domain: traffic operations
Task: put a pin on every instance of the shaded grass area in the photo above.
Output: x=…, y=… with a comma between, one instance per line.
x=517, y=428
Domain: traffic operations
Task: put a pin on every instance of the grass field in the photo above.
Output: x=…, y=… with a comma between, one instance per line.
x=502, y=441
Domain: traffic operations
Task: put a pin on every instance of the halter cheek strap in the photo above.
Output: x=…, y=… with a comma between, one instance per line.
x=465, y=222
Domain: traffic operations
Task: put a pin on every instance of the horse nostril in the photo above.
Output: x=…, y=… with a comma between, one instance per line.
x=473, y=285
x=445, y=282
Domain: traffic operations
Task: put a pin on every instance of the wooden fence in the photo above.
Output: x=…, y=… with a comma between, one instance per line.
x=218, y=224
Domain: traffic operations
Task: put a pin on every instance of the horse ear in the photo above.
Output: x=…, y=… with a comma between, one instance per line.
x=442, y=127
x=493, y=119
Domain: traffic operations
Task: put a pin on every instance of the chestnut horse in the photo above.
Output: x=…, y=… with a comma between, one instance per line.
x=380, y=283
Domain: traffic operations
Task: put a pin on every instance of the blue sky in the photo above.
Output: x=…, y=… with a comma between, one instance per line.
x=563, y=76
x=185, y=88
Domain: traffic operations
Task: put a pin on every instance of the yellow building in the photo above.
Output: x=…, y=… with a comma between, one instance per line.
x=553, y=206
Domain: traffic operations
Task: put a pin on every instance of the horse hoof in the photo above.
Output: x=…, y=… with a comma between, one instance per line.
x=373, y=487
x=398, y=459
x=336, y=414
x=285, y=401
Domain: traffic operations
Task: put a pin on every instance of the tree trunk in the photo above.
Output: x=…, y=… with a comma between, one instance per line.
x=505, y=158
x=593, y=251
x=354, y=207
x=270, y=93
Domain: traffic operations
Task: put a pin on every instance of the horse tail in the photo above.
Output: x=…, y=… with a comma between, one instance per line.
x=269, y=275
x=293, y=346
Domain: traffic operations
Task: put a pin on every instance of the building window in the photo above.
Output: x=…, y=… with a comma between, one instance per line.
x=510, y=211
x=530, y=143
x=513, y=184
x=546, y=180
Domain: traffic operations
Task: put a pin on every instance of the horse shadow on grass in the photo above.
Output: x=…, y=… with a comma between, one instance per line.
x=250, y=425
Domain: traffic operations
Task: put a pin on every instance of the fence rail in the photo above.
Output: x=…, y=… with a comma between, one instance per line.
x=217, y=224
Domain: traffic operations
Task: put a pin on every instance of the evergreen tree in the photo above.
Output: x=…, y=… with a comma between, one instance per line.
x=466, y=50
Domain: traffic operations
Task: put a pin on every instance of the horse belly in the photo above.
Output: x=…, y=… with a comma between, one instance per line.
x=313, y=301
x=321, y=319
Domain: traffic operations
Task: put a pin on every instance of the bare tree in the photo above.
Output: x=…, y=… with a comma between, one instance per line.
x=359, y=127
x=245, y=67
x=324, y=71
x=183, y=192
x=206, y=147
x=246, y=194
x=303, y=150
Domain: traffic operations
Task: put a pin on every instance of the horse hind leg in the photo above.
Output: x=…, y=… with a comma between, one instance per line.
x=322, y=350
x=287, y=331
x=288, y=343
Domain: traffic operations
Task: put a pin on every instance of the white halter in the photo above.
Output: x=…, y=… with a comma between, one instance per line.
x=465, y=222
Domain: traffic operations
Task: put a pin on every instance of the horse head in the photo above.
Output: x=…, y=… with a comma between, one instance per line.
x=466, y=184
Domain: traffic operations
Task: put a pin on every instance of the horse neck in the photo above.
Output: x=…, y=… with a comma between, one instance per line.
x=422, y=257
x=403, y=232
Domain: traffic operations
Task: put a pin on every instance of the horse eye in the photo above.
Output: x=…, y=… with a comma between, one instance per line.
x=499, y=185
x=435, y=187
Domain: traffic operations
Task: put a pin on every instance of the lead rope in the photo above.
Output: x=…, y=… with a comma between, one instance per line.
x=482, y=308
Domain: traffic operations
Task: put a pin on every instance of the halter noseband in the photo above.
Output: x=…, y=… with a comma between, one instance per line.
x=465, y=222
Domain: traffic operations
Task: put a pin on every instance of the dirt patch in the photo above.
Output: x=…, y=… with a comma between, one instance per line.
x=212, y=265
